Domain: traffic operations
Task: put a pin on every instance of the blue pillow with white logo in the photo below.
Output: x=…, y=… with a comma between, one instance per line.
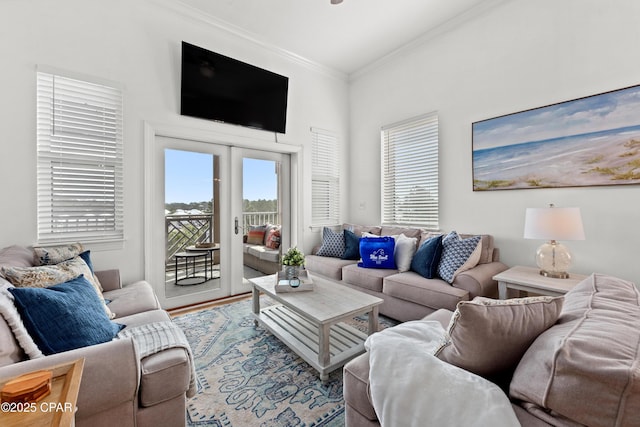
x=377, y=252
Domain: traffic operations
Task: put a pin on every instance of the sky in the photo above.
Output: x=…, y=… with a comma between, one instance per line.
x=611, y=110
x=189, y=177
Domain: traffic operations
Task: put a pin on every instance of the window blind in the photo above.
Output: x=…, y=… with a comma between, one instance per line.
x=410, y=172
x=325, y=178
x=79, y=157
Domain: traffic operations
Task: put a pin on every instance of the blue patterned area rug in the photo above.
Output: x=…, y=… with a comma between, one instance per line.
x=247, y=377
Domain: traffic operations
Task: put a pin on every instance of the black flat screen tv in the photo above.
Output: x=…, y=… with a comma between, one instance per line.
x=220, y=88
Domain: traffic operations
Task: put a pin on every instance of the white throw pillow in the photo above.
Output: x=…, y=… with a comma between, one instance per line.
x=404, y=251
x=10, y=313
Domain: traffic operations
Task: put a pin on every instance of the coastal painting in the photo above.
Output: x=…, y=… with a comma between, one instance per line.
x=585, y=142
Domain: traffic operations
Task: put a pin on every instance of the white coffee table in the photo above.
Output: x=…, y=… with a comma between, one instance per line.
x=311, y=323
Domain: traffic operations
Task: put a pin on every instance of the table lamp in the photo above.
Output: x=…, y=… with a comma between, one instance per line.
x=553, y=224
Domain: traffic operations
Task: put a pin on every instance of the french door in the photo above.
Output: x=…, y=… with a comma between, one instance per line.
x=205, y=197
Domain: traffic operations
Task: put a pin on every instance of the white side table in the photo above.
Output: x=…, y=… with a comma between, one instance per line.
x=516, y=279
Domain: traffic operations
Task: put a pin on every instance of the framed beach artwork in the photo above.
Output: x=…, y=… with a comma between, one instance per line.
x=585, y=142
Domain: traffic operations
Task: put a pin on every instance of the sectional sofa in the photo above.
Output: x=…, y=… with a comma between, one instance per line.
x=408, y=295
x=119, y=386
x=578, y=364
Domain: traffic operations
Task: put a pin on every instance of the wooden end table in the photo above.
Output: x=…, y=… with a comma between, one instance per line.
x=311, y=323
x=516, y=279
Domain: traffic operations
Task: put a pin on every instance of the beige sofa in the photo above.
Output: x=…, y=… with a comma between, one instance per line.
x=408, y=295
x=583, y=370
x=117, y=388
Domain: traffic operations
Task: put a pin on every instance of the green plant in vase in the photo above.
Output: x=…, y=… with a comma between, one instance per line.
x=292, y=261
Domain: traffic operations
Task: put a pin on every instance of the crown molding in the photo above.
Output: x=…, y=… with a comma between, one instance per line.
x=426, y=37
x=190, y=12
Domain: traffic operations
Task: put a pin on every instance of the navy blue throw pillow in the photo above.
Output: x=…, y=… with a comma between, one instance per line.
x=86, y=257
x=427, y=258
x=65, y=316
x=351, y=245
x=377, y=252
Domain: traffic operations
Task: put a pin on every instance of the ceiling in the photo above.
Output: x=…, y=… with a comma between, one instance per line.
x=345, y=37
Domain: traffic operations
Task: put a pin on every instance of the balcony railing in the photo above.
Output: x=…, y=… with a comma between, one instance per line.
x=187, y=230
x=259, y=218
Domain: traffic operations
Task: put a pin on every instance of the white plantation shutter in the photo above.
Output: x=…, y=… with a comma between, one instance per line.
x=325, y=178
x=79, y=139
x=410, y=172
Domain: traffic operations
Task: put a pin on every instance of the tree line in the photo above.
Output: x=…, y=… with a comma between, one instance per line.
x=260, y=205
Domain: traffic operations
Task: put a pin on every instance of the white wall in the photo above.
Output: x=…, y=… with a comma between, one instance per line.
x=135, y=43
x=518, y=56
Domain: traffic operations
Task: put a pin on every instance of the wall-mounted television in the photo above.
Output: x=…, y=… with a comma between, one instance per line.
x=216, y=87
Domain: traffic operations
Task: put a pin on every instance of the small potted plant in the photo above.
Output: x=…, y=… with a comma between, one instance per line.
x=292, y=261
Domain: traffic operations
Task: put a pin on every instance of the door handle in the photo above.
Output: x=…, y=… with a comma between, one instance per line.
x=236, y=225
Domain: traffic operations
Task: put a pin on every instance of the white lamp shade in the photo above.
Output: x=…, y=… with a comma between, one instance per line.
x=553, y=224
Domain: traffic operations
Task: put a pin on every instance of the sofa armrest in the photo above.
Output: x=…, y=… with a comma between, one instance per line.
x=109, y=279
x=110, y=377
x=479, y=280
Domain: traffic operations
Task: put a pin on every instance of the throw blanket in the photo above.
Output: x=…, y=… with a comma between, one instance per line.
x=154, y=337
x=411, y=387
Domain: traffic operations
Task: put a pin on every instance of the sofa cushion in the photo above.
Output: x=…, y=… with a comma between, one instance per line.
x=47, y=275
x=16, y=256
x=433, y=293
x=367, y=278
x=488, y=337
x=134, y=298
x=14, y=337
x=590, y=355
x=358, y=230
x=10, y=351
x=404, y=251
x=394, y=231
x=351, y=245
x=326, y=266
x=486, y=243
x=65, y=316
x=458, y=255
x=255, y=250
x=272, y=238
x=332, y=243
x=427, y=258
x=264, y=253
x=256, y=234
x=270, y=255
x=56, y=254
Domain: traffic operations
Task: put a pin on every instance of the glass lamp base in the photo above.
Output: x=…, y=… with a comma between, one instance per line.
x=555, y=275
x=554, y=260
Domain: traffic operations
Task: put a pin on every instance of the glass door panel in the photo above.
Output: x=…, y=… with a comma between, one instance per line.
x=263, y=212
x=192, y=226
x=188, y=243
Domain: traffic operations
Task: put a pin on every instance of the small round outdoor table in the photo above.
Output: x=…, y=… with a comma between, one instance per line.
x=211, y=249
x=189, y=279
